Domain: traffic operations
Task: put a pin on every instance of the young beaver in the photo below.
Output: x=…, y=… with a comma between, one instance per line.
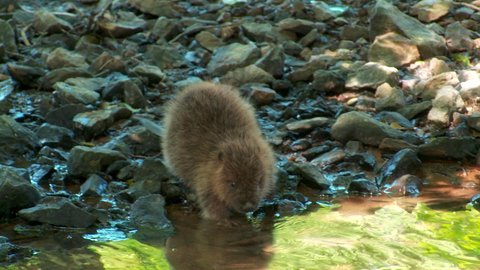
x=212, y=141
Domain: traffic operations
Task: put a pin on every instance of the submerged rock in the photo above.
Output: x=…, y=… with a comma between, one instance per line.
x=406, y=185
x=148, y=216
x=94, y=186
x=58, y=211
x=10, y=253
x=16, y=192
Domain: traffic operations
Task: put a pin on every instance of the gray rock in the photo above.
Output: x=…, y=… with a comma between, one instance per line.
x=298, y=26
x=360, y=126
x=248, y=74
x=93, y=123
x=412, y=110
x=164, y=56
x=371, y=75
x=389, y=98
x=166, y=28
x=316, y=151
x=353, y=32
x=16, y=192
x=67, y=94
x=260, y=95
x=156, y=7
x=463, y=148
x=310, y=38
x=311, y=175
x=61, y=75
x=446, y=101
x=208, y=40
x=128, y=24
x=148, y=216
x=153, y=74
x=385, y=18
x=60, y=58
x=93, y=84
x=308, y=124
x=427, y=89
x=52, y=135
x=15, y=139
x=25, y=75
x=392, y=49
x=473, y=121
x=273, y=62
x=108, y=63
x=148, y=178
x=46, y=22
x=292, y=48
x=330, y=81
x=395, y=145
x=431, y=10
x=84, y=161
x=306, y=72
x=261, y=32
x=470, y=89
x=406, y=185
x=126, y=90
x=6, y=90
x=63, y=116
x=7, y=37
x=429, y=68
x=403, y=162
x=232, y=56
x=363, y=186
x=458, y=38
x=58, y=211
x=334, y=156
x=394, y=119
x=94, y=186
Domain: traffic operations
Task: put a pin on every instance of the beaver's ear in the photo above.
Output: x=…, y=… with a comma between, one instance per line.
x=220, y=156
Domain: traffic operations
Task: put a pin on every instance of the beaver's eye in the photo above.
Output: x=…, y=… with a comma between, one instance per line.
x=233, y=184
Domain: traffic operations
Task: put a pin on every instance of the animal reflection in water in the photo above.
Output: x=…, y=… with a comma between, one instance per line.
x=202, y=244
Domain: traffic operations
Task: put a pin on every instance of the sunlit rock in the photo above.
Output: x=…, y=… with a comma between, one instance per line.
x=371, y=75
x=431, y=10
x=427, y=89
x=232, y=56
x=393, y=50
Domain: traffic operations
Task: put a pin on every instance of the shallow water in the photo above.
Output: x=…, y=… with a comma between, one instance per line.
x=436, y=230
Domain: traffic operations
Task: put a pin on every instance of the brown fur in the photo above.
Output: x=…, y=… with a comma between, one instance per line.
x=212, y=141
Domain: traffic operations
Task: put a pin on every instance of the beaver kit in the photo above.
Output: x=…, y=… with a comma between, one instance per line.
x=213, y=142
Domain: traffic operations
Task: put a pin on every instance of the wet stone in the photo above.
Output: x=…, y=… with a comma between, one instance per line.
x=288, y=207
x=260, y=96
x=395, y=145
x=124, y=27
x=208, y=40
x=153, y=74
x=126, y=90
x=39, y=173
x=94, y=186
x=463, y=148
x=15, y=138
x=148, y=216
x=311, y=175
x=330, y=81
x=360, y=126
x=93, y=123
x=412, y=110
x=273, y=61
x=473, y=121
x=84, y=161
x=232, y=56
x=60, y=58
x=403, y=162
x=165, y=28
x=16, y=192
x=62, y=74
x=406, y=185
x=106, y=62
x=394, y=119
x=58, y=211
x=306, y=125
x=305, y=73
x=331, y=157
x=157, y=8
x=67, y=94
x=248, y=74
x=7, y=37
x=298, y=26
x=164, y=56
x=93, y=84
x=363, y=186
x=475, y=201
x=300, y=144
x=393, y=50
x=46, y=22
x=64, y=115
x=24, y=74
x=371, y=75
x=52, y=135
x=6, y=90
x=353, y=32
x=316, y=151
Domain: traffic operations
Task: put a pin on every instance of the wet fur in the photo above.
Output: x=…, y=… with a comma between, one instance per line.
x=212, y=140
